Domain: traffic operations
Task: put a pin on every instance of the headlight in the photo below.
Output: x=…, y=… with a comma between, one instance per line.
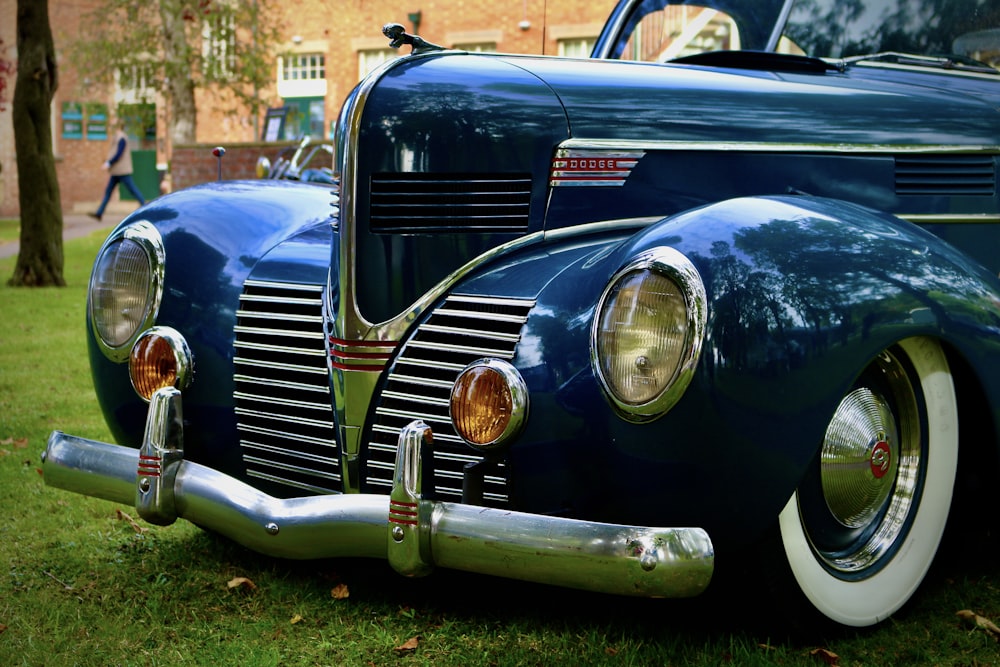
x=489, y=403
x=160, y=358
x=125, y=287
x=648, y=333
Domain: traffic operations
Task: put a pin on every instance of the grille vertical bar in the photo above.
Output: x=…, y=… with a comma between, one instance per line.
x=462, y=330
x=282, y=391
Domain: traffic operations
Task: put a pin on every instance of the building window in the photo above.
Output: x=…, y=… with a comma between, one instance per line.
x=302, y=75
x=135, y=82
x=303, y=67
x=579, y=47
x=218, y=44
x=369, y=59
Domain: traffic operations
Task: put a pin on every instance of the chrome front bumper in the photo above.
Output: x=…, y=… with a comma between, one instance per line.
x=412, y=533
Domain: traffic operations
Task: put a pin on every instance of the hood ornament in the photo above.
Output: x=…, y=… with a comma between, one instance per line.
x=398, y=36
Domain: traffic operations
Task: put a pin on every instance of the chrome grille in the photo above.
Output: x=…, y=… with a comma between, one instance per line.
x=281, y=387
x=462, y=330
x=450, y=202
x=946, y=175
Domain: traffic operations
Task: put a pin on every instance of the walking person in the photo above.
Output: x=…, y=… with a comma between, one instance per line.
x=119, y=165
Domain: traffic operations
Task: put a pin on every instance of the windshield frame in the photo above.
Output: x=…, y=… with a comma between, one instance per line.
x=857, y=31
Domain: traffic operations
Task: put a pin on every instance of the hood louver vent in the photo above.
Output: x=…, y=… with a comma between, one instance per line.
x=409, y=203
x=946, y=175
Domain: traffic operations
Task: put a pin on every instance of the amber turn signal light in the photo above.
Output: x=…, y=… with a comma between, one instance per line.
x=159, y=358
x=489, y=403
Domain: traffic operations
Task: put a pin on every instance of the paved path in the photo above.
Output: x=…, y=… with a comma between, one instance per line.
x=75, y=225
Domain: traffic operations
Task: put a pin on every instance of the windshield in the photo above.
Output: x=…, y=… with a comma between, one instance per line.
x=663, y=30
x=845, y=28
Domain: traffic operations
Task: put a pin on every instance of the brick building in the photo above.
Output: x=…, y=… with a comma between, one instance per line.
x=328, y=46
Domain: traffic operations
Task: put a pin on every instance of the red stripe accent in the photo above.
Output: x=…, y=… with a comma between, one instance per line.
x=403, y=522
x=402, y=503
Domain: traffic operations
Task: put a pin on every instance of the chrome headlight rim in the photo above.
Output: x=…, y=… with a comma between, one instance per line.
x=148, y=238
x=675, y=266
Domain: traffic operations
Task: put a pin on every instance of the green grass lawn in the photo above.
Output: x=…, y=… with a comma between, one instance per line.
x=10, y=230
x=83, y=583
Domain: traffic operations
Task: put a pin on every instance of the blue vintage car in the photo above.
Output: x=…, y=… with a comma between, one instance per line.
x=728, y=286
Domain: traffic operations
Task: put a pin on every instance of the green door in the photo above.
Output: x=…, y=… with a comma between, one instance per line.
x=145, y=175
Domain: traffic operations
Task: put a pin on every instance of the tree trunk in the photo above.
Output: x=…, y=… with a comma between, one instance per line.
x=177, y=65
x=40, y=258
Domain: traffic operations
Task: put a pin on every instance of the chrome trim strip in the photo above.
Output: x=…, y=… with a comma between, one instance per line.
x=291, y=453
x=303, y=351
x=283, y=418
x=279, y=333
x=285, y=435
x=951, y=218
x=772, y=147
x=271, y=400
x=929, y=68
x=294, y=368
x=270, y=284
x=299, y=386
x=779, y=26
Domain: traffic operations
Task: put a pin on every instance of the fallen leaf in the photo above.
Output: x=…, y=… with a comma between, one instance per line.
x=5, y=452
x=829, y=657
x=20, y=443
x=122, y=516
x=2, y=627
x=970, y=617
x=242, y=583
x=296, y=619
x=340, y=592
x=409, y=645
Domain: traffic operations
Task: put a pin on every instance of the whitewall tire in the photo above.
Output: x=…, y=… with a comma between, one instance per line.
x=862, y=530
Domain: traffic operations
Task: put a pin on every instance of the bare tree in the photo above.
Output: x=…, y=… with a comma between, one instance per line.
x=40, y=257
x=175, y=47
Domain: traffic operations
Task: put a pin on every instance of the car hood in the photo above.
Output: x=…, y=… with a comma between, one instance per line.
x=859, y=105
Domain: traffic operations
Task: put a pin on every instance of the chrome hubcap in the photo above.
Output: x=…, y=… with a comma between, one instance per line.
x=869, y=467
x=859, y=458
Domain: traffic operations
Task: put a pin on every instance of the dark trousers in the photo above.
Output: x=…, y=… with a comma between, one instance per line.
x=112, y=182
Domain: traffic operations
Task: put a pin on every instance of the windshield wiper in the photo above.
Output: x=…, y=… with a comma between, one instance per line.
x=951, y=62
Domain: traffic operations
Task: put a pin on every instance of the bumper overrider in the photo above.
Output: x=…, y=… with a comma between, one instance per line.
x=412, y=533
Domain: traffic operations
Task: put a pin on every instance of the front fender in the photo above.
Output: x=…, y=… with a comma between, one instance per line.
x=214, y=236
x=802, y=294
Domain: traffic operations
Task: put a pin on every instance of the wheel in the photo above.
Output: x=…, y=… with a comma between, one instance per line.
x=862, y=529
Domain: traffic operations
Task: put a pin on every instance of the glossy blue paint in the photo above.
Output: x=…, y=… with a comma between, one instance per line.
x=215, y=236
x=449, y=116
x=803, y=293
